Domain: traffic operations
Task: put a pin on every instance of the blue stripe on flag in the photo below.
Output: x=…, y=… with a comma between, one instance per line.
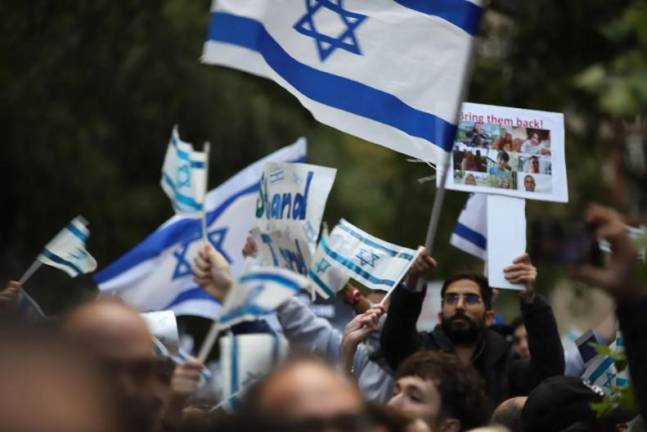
x=353, y=267
x=252, y=310
x=193, y=293
x=332, y=90
x=182, y=199
x=374, y=244
x=57, y=259
x=461, y=13
x=470, y=235
x=185, y=156
x=602, y=367
x=163, y=238
x=312, y=275
x=587, y=352
x=271, y=277
x=77, y=232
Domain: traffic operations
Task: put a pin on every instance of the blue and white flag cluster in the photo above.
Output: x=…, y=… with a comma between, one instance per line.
x=67, y=250
x=184, y=175
x=338, y=58
x=470, y=232
x=156, y=274
x=377, y=264
x=259, y=292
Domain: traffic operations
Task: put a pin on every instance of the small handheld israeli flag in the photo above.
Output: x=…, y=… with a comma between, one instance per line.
x=245, y=359
x=258, y=293
x=67, y=251
x=327, y=278
x=375, y=263
x=470, y=232
x=184, y=175
x=601, y=370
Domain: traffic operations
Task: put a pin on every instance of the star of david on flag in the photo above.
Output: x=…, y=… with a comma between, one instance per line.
x=326, y=43
x=391, y=72
x=371, y=261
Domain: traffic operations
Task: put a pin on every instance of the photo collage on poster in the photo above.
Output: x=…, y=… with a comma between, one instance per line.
x=503, y=157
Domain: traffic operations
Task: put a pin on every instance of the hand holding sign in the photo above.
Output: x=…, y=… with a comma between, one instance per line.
x=521, y=271
x=422, y=267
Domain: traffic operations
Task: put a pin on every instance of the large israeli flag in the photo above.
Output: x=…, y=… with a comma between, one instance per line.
x=156, y=274
x=388, y=71
x=373, y=262
x=184, y=176
x=470, y=232
x=67, y=251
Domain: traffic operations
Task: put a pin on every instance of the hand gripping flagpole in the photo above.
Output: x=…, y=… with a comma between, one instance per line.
x=440, y=192
x=205, y=234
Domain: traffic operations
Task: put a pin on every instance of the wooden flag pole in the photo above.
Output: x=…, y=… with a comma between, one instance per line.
x=207, y=345
x=30, y=271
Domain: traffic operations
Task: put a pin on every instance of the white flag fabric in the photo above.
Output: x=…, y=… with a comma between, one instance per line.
x=388, y=71
x=67, y=251
x=245, y=359
x=156, y=274
x=327, y=279
x=289, y=208
x=377, y=264
x=184, y=175
x=258, y=293
x=470, y=232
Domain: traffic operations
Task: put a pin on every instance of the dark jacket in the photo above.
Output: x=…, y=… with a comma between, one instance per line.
x=504, y=374
x=633, y=325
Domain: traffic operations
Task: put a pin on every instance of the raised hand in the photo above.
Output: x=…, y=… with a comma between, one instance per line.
x=211, y=271
x=521, y=271
x=422, y=267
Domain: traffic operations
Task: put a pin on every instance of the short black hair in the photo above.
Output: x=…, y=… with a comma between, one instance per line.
x=517, y=322
x=461, y=388
x=481, y=281
x=503, y=155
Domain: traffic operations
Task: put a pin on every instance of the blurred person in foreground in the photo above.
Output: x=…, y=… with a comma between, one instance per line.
x=49, y=386
x=436, y=388
x=119, y=338
x=620, y=279
x=465, y=316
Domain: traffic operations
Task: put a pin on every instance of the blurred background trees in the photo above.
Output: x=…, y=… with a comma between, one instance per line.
x=90, y=92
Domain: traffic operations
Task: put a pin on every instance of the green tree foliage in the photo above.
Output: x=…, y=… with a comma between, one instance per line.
x=91, y=90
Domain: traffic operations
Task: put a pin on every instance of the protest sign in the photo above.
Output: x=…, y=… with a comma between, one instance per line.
x=509, y=151
x=506, y=234
x=289, y=207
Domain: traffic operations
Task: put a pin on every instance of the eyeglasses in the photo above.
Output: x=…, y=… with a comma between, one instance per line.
x=468, y=298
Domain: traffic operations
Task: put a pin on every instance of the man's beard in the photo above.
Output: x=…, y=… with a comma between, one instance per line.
x=461, y=329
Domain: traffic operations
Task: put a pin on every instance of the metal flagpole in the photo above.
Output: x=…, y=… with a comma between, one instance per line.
x=440, y=192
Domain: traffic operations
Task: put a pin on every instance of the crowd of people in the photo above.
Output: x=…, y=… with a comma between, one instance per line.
x=95, y=368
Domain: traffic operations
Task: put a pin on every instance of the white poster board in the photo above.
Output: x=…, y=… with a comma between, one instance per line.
x=506, y=234
x=509, y=151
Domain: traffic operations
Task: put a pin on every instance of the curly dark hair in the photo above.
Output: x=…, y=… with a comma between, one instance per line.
x=461, y=388
x=482, y=282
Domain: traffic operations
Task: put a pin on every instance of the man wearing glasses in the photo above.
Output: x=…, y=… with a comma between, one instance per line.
x=465, y=318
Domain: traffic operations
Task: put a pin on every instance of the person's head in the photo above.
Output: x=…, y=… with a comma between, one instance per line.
x=534, y=164
x=508, y=413
x=305, y=389
x=520, y=339
x=470, y=180
x=353, y=297
x=50, y=386
x=478, y=127
x=502, y=159
x=436, y=388
x=529, y=183
x=119, y=338
x=534, y=137
x=466, y=311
